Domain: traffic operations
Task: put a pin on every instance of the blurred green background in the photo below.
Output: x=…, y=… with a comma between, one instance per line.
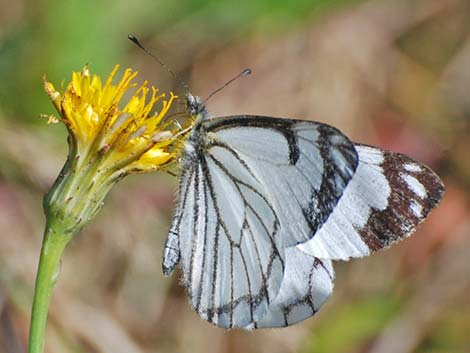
x=393, y=73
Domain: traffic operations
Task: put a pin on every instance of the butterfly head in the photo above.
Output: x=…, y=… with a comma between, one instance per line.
x=195, y=107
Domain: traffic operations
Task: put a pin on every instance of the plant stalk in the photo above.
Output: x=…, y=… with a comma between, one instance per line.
x=53, y=245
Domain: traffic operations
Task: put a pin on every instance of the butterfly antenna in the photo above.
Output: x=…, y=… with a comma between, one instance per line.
x=134, y=39
x=245, y=72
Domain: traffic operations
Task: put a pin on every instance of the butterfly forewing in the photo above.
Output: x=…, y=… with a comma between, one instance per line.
x=388, y=196
x=251, y=188
x=301, y=167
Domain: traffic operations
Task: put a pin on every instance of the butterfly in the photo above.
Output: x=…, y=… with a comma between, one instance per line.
x=266, y=204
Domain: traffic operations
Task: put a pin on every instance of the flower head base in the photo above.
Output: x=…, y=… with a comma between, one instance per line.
x=106, y=141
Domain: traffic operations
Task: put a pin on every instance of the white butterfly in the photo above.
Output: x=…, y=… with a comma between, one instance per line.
x=266, y=204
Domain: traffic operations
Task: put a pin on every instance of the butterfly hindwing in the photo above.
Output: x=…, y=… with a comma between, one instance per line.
x=251, y=188
x=171, y=255
x=307, y=284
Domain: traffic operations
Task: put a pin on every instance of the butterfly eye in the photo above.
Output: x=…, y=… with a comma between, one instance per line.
x=195, y=107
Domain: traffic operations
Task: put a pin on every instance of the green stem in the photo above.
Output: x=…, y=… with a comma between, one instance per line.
x=53, y=245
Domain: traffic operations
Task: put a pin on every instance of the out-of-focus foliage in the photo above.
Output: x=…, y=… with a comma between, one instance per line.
x=390, y=73
x=356, y=322
x=56, y=37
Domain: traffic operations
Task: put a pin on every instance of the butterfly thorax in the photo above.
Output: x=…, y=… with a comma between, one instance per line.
x=194, y=144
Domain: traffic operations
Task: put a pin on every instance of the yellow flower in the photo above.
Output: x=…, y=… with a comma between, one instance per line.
x=129, y=135
x=107, y=141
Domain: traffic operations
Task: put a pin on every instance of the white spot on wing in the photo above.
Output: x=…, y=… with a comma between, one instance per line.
x=416, y=208
x=414, y=185
x=412, y=167
x=370, y=155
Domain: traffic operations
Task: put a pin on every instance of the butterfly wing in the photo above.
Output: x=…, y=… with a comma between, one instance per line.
x=388, y=196
x=306, y=285
x=251, y=188
x=301, y=167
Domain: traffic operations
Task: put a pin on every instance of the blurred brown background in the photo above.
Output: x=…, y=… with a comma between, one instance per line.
x=393, y=73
